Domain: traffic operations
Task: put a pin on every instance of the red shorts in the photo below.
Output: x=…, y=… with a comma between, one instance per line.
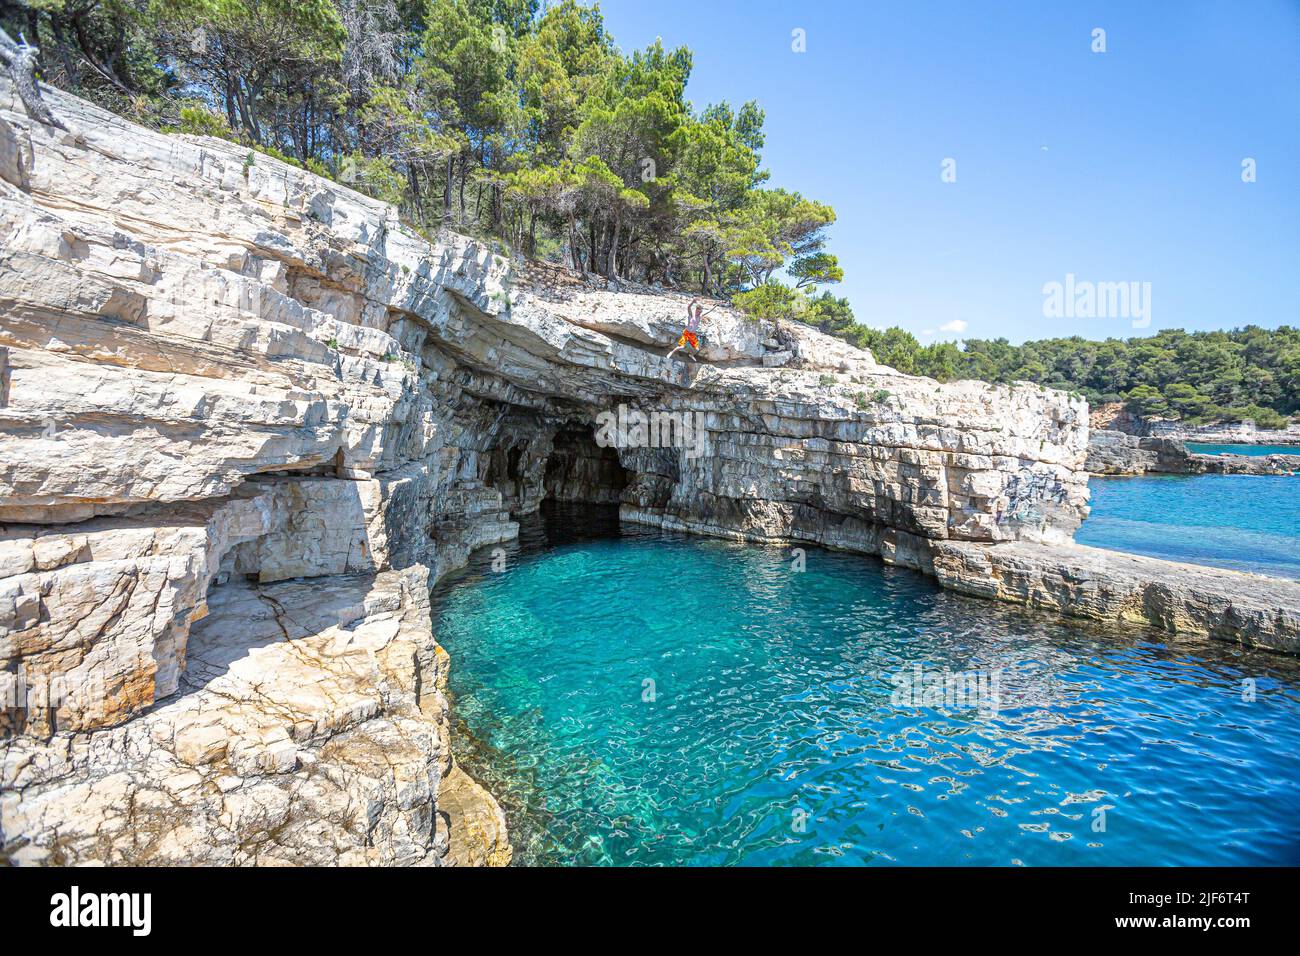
x=689, y=337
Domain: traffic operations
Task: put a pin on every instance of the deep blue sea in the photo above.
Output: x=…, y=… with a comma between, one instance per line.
x=636, y=697
x=1244, y=522
x=1202, y=449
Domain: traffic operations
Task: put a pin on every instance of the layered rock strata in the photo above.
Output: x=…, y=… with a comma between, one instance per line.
x=247, y=417
x=228, y=477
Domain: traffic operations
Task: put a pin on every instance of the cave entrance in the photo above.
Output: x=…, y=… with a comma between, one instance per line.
x=579, y=470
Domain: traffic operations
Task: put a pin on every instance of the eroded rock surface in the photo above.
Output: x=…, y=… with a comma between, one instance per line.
x=309, y=728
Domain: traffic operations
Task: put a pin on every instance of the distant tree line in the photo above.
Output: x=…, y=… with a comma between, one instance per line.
x=1246, y=373
x=497, y=118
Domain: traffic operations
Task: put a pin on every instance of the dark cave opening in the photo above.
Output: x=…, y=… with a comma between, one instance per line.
x=504, y=473
x=579, y=470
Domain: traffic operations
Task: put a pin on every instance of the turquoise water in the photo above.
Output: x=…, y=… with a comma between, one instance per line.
x=772, y=733
x=1201, y=449
x=1243, y=522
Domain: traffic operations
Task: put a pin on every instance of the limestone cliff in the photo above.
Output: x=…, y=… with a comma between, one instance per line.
x=247, y=416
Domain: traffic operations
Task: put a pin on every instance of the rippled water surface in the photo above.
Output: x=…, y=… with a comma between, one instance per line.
x=772, y=733
x=1243, y=522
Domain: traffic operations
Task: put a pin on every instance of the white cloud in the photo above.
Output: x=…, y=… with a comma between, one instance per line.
x=956, y=326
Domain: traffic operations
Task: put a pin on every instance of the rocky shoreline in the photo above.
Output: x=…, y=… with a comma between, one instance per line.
x=1117, y=453
x=1102, y=585
x=300, y=702
x=248, y=417
x=1229, y=433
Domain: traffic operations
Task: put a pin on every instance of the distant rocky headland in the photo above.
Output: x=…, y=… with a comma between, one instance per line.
x=1113, y=416
x=1123, y=443
x=1117, y=453
x=248, y=417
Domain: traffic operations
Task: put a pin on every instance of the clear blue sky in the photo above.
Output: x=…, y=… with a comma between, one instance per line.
x=1140, y=179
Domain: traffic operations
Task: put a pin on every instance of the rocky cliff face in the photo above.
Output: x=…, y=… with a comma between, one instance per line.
x=229, y=469
x=247, y=416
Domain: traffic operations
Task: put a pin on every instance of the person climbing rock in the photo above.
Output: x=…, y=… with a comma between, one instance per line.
x=690, y=335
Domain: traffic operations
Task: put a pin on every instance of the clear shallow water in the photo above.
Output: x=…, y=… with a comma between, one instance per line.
x=1243, y=522
x=1202, y=449
x=772, y=697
